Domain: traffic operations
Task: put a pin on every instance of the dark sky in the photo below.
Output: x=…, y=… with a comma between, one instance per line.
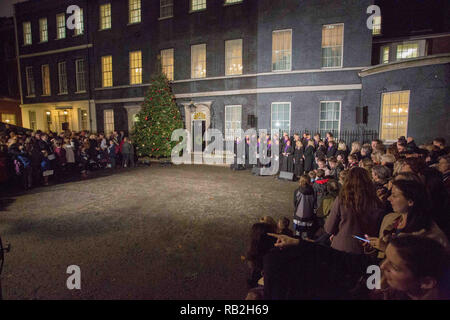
x=6, y=7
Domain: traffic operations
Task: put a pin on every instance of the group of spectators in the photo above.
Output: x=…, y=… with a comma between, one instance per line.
x=37, y=158
x=369, y=205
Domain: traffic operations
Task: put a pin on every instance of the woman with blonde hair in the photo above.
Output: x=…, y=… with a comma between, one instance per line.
x=356, y=149
x=309, y=156
x=342, y=150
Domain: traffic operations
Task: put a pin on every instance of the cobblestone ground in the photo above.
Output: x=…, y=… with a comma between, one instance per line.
x=174, y=232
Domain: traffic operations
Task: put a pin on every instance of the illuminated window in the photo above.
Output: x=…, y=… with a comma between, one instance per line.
x=30, y=81
x=233, y=57
x=376, y=28
x=233, y=121
x=281, y=116
x=198, y=61
x=45, y=69
x=80, y=75
x=394, y=115
x=407, y=50
x=61, y=26
x=32, y=120
x=198, y=5
x=105, y=16
x=43, y=30
x=385, y=54
x=107, y=74
x=329, y=116
x=9, y=118
x=134, y=9
x=27, y=39
x=332, y=45
x=167, y=63
x=84, y=120
x=62, y=77
x=80, y=30
x=135, y=67
x=108, y=117
x=232, y=1
x=166, y=8
x=281, y=50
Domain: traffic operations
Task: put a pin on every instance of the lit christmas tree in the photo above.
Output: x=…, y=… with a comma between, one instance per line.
x=158, y=118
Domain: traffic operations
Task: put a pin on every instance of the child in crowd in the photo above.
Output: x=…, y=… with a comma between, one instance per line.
x=283, y=227
x=312, y=176
x=112, y=154
x=304, y=201
x=352, y=161
x=319, y=187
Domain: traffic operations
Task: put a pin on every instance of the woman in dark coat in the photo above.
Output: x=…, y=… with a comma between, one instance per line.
x=287, y=159
x=331, y=150
x=298, y=159
x=309, y=156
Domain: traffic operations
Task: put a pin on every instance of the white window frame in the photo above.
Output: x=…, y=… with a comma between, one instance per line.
x=376, y=27
x=60, y=29
x=137, y=79
x=381, y=114
x=382, y=61
x=81, y=125
x=43, y=32
x=62, y=77
x=80, y=76
x=290, y=62
x=170, y=75
x=105, y=20
x=103, y=72
x=192, y=61
x=421, y=44
x=80, y=31
x=162, y=6
x=343, y=42
x=231, y=136
x=340, y=116
x=228, y=59
x=290, y=116
x=33, y=124
x=43, y=80
x=31, y=89
x=131, y=10
x=191, y=6
x=27, y=33
x=105, y=124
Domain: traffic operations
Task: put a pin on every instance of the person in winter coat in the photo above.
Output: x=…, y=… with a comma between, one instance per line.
x=319, y=187
x=304, y=200
x=112, y=154
x=127, y=153
x=309, y=156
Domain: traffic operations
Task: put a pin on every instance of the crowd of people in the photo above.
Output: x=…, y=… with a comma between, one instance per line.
x=38, y=158
x=371, y=204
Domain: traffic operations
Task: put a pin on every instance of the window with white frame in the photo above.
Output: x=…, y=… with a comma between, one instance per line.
x=108, y=118
x=80, y=28
x=233, y=121
x=134, y=11
x=60, y=26
x=27, y=38
x=332, y=45
x=107, y=73
x=83, y=119
x=30, y=81
x=136, y=67
x=198, y=5
x=408, y=50
x=330, y=115
x=32, y=120
x=281, y=116
x=45, y=70
x=105, y=16
x=62, y=77
x=43, y=30
x=167, y=63
x=385, y=54
x=9, y=118
x=232, y=1
x=394, y=115
x=80, y=75
x=233, y=57
x=165, y=8
x=198, y=61
x=281, y=50
x=376, y=27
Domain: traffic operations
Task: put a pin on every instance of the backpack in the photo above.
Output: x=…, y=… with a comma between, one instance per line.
x=325, y=207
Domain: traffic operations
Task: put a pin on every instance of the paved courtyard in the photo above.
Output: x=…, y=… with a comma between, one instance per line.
x=155, y=232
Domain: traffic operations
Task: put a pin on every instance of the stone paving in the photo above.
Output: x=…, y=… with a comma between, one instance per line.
x=175, y=232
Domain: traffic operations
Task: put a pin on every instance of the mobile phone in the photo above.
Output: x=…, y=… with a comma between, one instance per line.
x=362, y=239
